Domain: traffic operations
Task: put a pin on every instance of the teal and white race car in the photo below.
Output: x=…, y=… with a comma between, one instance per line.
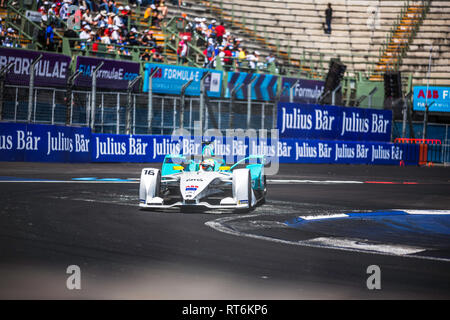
x=204, y=184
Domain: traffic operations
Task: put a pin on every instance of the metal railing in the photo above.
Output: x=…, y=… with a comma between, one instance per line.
x=49, y=106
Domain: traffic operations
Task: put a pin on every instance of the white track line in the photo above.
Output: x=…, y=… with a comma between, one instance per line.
x=271, y=181
x=350, y=245
x=295, y=181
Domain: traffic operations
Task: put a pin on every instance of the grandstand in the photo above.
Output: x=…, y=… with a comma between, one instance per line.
x=369, y=36
x=361, y=32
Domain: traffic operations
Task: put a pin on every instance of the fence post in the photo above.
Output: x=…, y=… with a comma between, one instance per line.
x=31, y=88
x=103, y=113
x=118, y=114
x=232, y=96
x=53, y=106
x=3, y=73
x=371, y=93
x=183, y=101
x=202, y=98
x=333, y=94
x=249, y=101
x=150, y=99
x=69, y=97
x=131, y=85
x=291, y=91
x=93, y=95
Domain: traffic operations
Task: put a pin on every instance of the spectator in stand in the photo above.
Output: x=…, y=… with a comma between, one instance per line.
x=2, y=32
x=251, y=58
x=101, y=18
x=49, y=38
x=147, y=39
x=212, y=28
x=64, y=10
x=163, y=10
x=237, y=43
x=87, y=15
x=88, y=4
x=328, y=18
x=105, y=37
x=115, y=35
x=157, y=57
x=242, y=56
x=85, y=32
x=151, y=13
x=125, y=15
x=259, y=63
x=112, y=7
x=210, y=53
x=270, y=59
x=9, y=38
x=182, y=51
x=220, y=32
x=132, y=37
x=95, y=44
x=146, y=55
x=228, y=61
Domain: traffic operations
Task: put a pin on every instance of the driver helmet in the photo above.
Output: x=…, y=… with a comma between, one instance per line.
x=207, y=165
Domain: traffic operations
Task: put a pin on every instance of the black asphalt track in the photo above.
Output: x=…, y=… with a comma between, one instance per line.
x=126, y=253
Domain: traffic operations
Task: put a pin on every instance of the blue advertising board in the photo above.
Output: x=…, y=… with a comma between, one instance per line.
x=170, y=79
x=146, y=148
x=317, y=122
x=439, y=96
x=44, y=143
x=264, y=87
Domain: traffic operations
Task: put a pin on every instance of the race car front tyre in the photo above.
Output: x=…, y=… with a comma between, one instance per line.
x=242, y=187
x=150, y=184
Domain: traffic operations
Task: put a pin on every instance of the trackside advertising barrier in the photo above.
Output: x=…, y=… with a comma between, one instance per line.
x=439, y=96
x=304, y=91
x=264, y=86
x=50, y=71
x=113, y=74
x=145, y=148
x=170, y=79
x=317, y=122
x=46, y=143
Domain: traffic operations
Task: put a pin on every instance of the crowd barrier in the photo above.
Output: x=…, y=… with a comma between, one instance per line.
x=49, y=143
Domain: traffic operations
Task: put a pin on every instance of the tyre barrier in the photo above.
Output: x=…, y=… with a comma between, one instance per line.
x=430, y=150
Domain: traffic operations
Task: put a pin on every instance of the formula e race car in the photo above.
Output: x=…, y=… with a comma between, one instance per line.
x=204, y=184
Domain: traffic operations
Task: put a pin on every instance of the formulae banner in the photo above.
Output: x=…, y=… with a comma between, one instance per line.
x=113, y=74
x=264, y=87
x=317, y=122
x=44, y=143
x=439, y=96
x=170, y=79
x=305, y=91
x=50, y=71
x=144, y=148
